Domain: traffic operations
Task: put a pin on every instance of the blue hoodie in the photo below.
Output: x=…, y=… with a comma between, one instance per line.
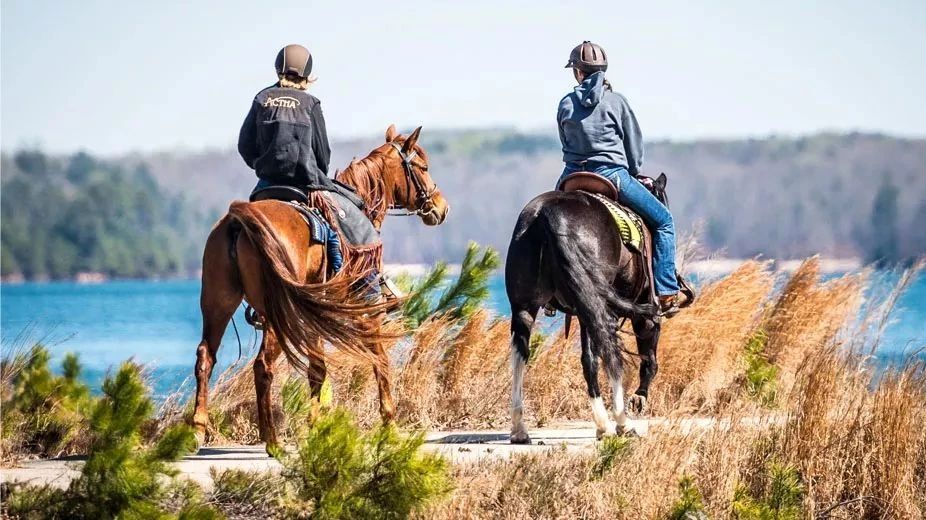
x=596, y=124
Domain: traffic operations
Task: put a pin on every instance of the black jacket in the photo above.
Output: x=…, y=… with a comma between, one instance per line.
x=284, y=140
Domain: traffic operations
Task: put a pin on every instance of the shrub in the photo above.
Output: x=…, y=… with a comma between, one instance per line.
x=462, y=297
x=247, y=493
x=761, y=375
x=120, y=479
x=609, y=451
x=781, y=500
x=690, y=504
x=340, y=472
x=42, y=412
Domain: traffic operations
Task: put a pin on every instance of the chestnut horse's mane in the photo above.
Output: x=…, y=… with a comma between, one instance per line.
x=366, y=176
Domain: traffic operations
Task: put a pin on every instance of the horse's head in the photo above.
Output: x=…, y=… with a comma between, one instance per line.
x=659, y=189
x=407, y=178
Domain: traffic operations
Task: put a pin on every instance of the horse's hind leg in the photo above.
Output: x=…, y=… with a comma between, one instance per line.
x=263, y=384
x=522, y=321
x=220, y=296
x=647, y=334
x=383, y=372
x=613, y=366
x=318, y=372
x=590, y=348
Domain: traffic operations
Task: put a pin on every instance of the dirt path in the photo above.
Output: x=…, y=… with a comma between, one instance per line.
x=458, y=446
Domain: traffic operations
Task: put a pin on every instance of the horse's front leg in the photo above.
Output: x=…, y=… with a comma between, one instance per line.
x=219, y=297
x=647, y=335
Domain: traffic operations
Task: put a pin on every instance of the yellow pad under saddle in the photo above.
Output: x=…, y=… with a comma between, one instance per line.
x=629, y=224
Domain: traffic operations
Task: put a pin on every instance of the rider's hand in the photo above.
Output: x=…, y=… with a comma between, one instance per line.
x=646, y=181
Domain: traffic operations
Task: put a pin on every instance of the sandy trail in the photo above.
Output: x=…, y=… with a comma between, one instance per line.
x=459, y=446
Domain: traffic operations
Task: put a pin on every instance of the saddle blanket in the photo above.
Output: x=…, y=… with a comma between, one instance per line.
x=629, y=224
x=318, y=227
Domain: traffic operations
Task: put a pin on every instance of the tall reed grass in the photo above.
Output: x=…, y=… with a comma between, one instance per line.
x=829, y=436
x=840, y=439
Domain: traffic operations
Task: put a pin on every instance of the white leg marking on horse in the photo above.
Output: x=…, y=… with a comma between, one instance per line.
x=603, y=424
x=518, y=430
x=617, y=394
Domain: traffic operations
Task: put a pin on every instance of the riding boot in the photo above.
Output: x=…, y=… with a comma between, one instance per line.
x=668, y=305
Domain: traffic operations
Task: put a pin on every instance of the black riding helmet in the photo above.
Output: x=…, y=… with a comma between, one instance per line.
x=294, y=59
x=588, y=57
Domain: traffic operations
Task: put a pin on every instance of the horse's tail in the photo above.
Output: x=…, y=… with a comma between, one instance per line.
x=579, y=278
x=300, y=313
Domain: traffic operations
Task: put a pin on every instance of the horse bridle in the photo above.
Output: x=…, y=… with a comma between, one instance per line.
x=423, y=196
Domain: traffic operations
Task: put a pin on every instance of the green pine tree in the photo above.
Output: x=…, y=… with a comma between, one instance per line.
x=461, y=297
x=884, y=247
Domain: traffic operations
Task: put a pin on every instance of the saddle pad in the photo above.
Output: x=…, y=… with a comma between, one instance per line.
x=354, y=223
x=629, y=224
x=318, y=228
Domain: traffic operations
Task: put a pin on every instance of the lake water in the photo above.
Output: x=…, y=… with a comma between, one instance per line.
x=158, y=323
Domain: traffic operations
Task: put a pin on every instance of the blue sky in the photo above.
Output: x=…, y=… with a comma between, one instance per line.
x=113, y=77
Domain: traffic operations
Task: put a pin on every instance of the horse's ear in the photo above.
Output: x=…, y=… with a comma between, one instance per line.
x=661, y=181
x=391, y=134
x=411, y=141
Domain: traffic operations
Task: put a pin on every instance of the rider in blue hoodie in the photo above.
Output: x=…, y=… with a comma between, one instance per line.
x=600, y=134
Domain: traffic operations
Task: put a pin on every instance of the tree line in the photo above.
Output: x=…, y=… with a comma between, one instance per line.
x=840, y=195
x=63, y=216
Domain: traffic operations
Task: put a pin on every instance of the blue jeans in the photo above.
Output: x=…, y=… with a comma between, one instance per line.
x=657, y=217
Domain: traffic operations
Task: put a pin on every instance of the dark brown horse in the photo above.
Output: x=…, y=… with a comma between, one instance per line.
x=566, y=252
x=261, y=252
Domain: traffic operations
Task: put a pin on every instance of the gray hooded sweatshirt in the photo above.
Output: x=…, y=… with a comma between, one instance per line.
x=596, y=124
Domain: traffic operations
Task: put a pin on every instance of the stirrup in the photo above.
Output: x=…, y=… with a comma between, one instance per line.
x=389, y=290
x=253, y=318
x=686, y=289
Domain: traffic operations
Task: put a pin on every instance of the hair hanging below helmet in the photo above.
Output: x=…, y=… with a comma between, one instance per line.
x=294, y=59
x=588, y=57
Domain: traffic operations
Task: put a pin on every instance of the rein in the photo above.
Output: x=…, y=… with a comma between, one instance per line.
x=423, y=195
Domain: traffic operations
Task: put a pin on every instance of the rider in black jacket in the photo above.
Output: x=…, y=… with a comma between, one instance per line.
x=283, y=137
x=284, y=140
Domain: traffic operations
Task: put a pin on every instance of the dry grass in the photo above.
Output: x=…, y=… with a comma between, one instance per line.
x=701, y=349
x=857, y=442
x=859, y=453
x=808, y=315
x=452, y=374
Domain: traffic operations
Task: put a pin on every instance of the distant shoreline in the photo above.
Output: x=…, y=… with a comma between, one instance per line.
x=715, y=266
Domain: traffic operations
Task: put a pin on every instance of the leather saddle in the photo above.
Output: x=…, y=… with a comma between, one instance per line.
x=589, y=182
x=348, y=210
x=281, y=192
x=293, y=194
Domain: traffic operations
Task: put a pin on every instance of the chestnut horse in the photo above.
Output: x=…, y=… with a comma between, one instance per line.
x=261, y=252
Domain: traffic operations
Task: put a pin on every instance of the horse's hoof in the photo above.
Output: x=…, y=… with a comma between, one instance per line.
x=200, y=437
x=520, y=438
x=274, y=450
x=626, y=431
x=636, y=403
